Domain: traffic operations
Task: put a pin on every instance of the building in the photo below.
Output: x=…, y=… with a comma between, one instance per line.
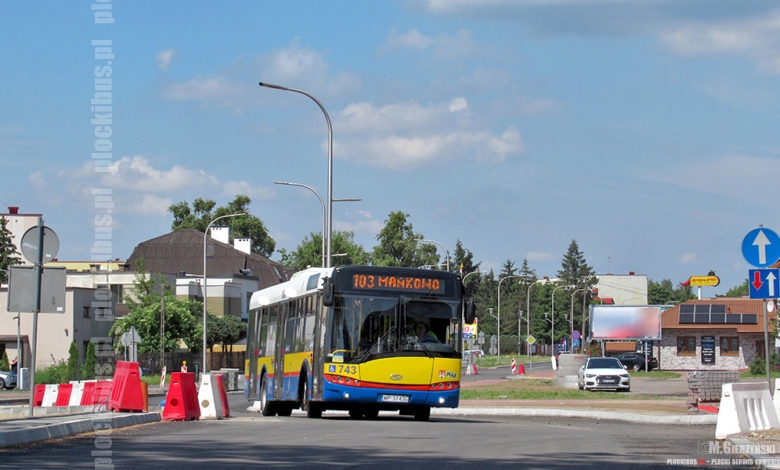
x=724, y=333
x=233, y=272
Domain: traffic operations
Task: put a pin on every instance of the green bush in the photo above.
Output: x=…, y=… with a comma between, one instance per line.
x=758, y=366
x=56, y=374
x=4, y=365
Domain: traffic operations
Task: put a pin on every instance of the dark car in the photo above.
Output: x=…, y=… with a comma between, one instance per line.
x=636, y=361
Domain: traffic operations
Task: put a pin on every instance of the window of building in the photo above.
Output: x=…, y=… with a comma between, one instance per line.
x=729, y=345
x=686, y=345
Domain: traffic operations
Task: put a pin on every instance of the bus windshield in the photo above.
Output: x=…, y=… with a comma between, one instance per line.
x=369, y=327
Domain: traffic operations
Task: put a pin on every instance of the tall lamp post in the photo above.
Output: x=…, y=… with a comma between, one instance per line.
x=447, y=253
x=498, y=359
x=346, y=199
x=463, y=281
x=552, y=313
x=205, y=281
x=329, y=225
x=571, y=320
x=528, y=306
x=322, y=203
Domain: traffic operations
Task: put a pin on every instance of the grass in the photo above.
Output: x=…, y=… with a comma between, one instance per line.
x=532, y=389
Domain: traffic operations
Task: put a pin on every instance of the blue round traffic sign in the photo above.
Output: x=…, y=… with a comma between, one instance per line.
x=761, y=247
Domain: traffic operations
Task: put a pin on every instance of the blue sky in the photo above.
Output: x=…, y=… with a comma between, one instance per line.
x=645, y=130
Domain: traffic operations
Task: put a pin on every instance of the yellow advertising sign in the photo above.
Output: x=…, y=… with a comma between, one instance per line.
x=697, y=281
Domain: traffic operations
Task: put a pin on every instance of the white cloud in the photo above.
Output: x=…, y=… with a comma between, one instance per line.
x=290, y=64
x=757, y=37
x=148, y=204
x=687, y=258
x=407, y=136
x=411, y=39
x=458, y=104
x=444, y=46
x=164, y=59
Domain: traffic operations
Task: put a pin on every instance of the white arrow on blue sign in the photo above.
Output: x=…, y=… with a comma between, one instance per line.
x=761, y=247
x=763, y=283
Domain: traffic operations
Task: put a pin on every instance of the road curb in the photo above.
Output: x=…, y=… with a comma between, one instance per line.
x=102, y=423
x=641, y=418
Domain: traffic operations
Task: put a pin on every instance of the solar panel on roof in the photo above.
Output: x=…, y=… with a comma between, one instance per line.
x=749, y=319
x=686, y=317
x=687, y=308
x=718, y=308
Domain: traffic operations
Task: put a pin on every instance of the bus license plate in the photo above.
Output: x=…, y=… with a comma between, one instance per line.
x=395, y=398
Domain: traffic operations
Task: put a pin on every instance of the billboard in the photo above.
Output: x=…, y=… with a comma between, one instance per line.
x=625, y=322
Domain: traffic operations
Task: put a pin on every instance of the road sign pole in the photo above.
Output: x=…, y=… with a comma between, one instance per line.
x=766, y=346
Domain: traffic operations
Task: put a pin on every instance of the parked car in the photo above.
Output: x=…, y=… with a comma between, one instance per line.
x=636, y=361
x=7, y=380
x=476, y=352
x=603, y=373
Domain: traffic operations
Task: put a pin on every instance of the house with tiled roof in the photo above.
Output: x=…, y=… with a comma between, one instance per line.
x=233, y=272
x=723, y=333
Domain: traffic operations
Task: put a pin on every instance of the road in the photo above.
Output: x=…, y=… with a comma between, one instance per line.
x=249, y=440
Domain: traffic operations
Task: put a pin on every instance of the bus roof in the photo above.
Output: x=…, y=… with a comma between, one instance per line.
x=296, y=286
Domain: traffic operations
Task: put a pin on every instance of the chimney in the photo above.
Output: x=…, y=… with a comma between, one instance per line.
x=243, y=245
x=13, y=210
x=220, y=234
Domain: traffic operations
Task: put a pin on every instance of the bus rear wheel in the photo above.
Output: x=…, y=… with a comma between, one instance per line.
x=313, y=410
x=422, y=413
x=265, y=407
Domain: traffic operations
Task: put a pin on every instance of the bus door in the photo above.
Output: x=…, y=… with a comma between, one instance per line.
x=281, y=331
x=253, y=345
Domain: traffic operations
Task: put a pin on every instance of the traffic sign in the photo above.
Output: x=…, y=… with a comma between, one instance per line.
x=761, y=247
x=575, y=335
x=530, y=339
x=764, y=283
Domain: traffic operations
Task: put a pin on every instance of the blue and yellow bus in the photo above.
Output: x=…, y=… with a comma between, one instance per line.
x=357, y=338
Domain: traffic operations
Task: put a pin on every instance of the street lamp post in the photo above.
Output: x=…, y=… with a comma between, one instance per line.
x=447, y=253
x=205, y=281
x=346, y=199
x=552, y=313
x=329, y=225
x=528, y=306
x=322, y=203
x=498, y=360
x=571, y=320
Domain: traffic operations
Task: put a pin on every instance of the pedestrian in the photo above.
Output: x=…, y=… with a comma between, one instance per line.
x=14, y=364
x=184, y=366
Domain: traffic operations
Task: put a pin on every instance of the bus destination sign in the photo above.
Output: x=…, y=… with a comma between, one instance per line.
x=404, y=283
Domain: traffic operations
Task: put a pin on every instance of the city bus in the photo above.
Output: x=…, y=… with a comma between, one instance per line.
x=345, y=338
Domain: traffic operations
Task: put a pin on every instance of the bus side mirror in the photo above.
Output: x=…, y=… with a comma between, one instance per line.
x=327, y=292
x=471, y=312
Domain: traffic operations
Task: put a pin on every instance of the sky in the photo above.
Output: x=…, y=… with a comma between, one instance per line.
x=645, y=130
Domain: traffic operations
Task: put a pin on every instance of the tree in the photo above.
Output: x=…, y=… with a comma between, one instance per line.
x=741, y=290
x=4, y=361
x=9, y=255
x=74, y=369
x=574, y=272
x=248, y=226
x=399, y=245
x=664, y=293
x=465, y=258
x=181, y=316
x=89, y=370
x=309, y=251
